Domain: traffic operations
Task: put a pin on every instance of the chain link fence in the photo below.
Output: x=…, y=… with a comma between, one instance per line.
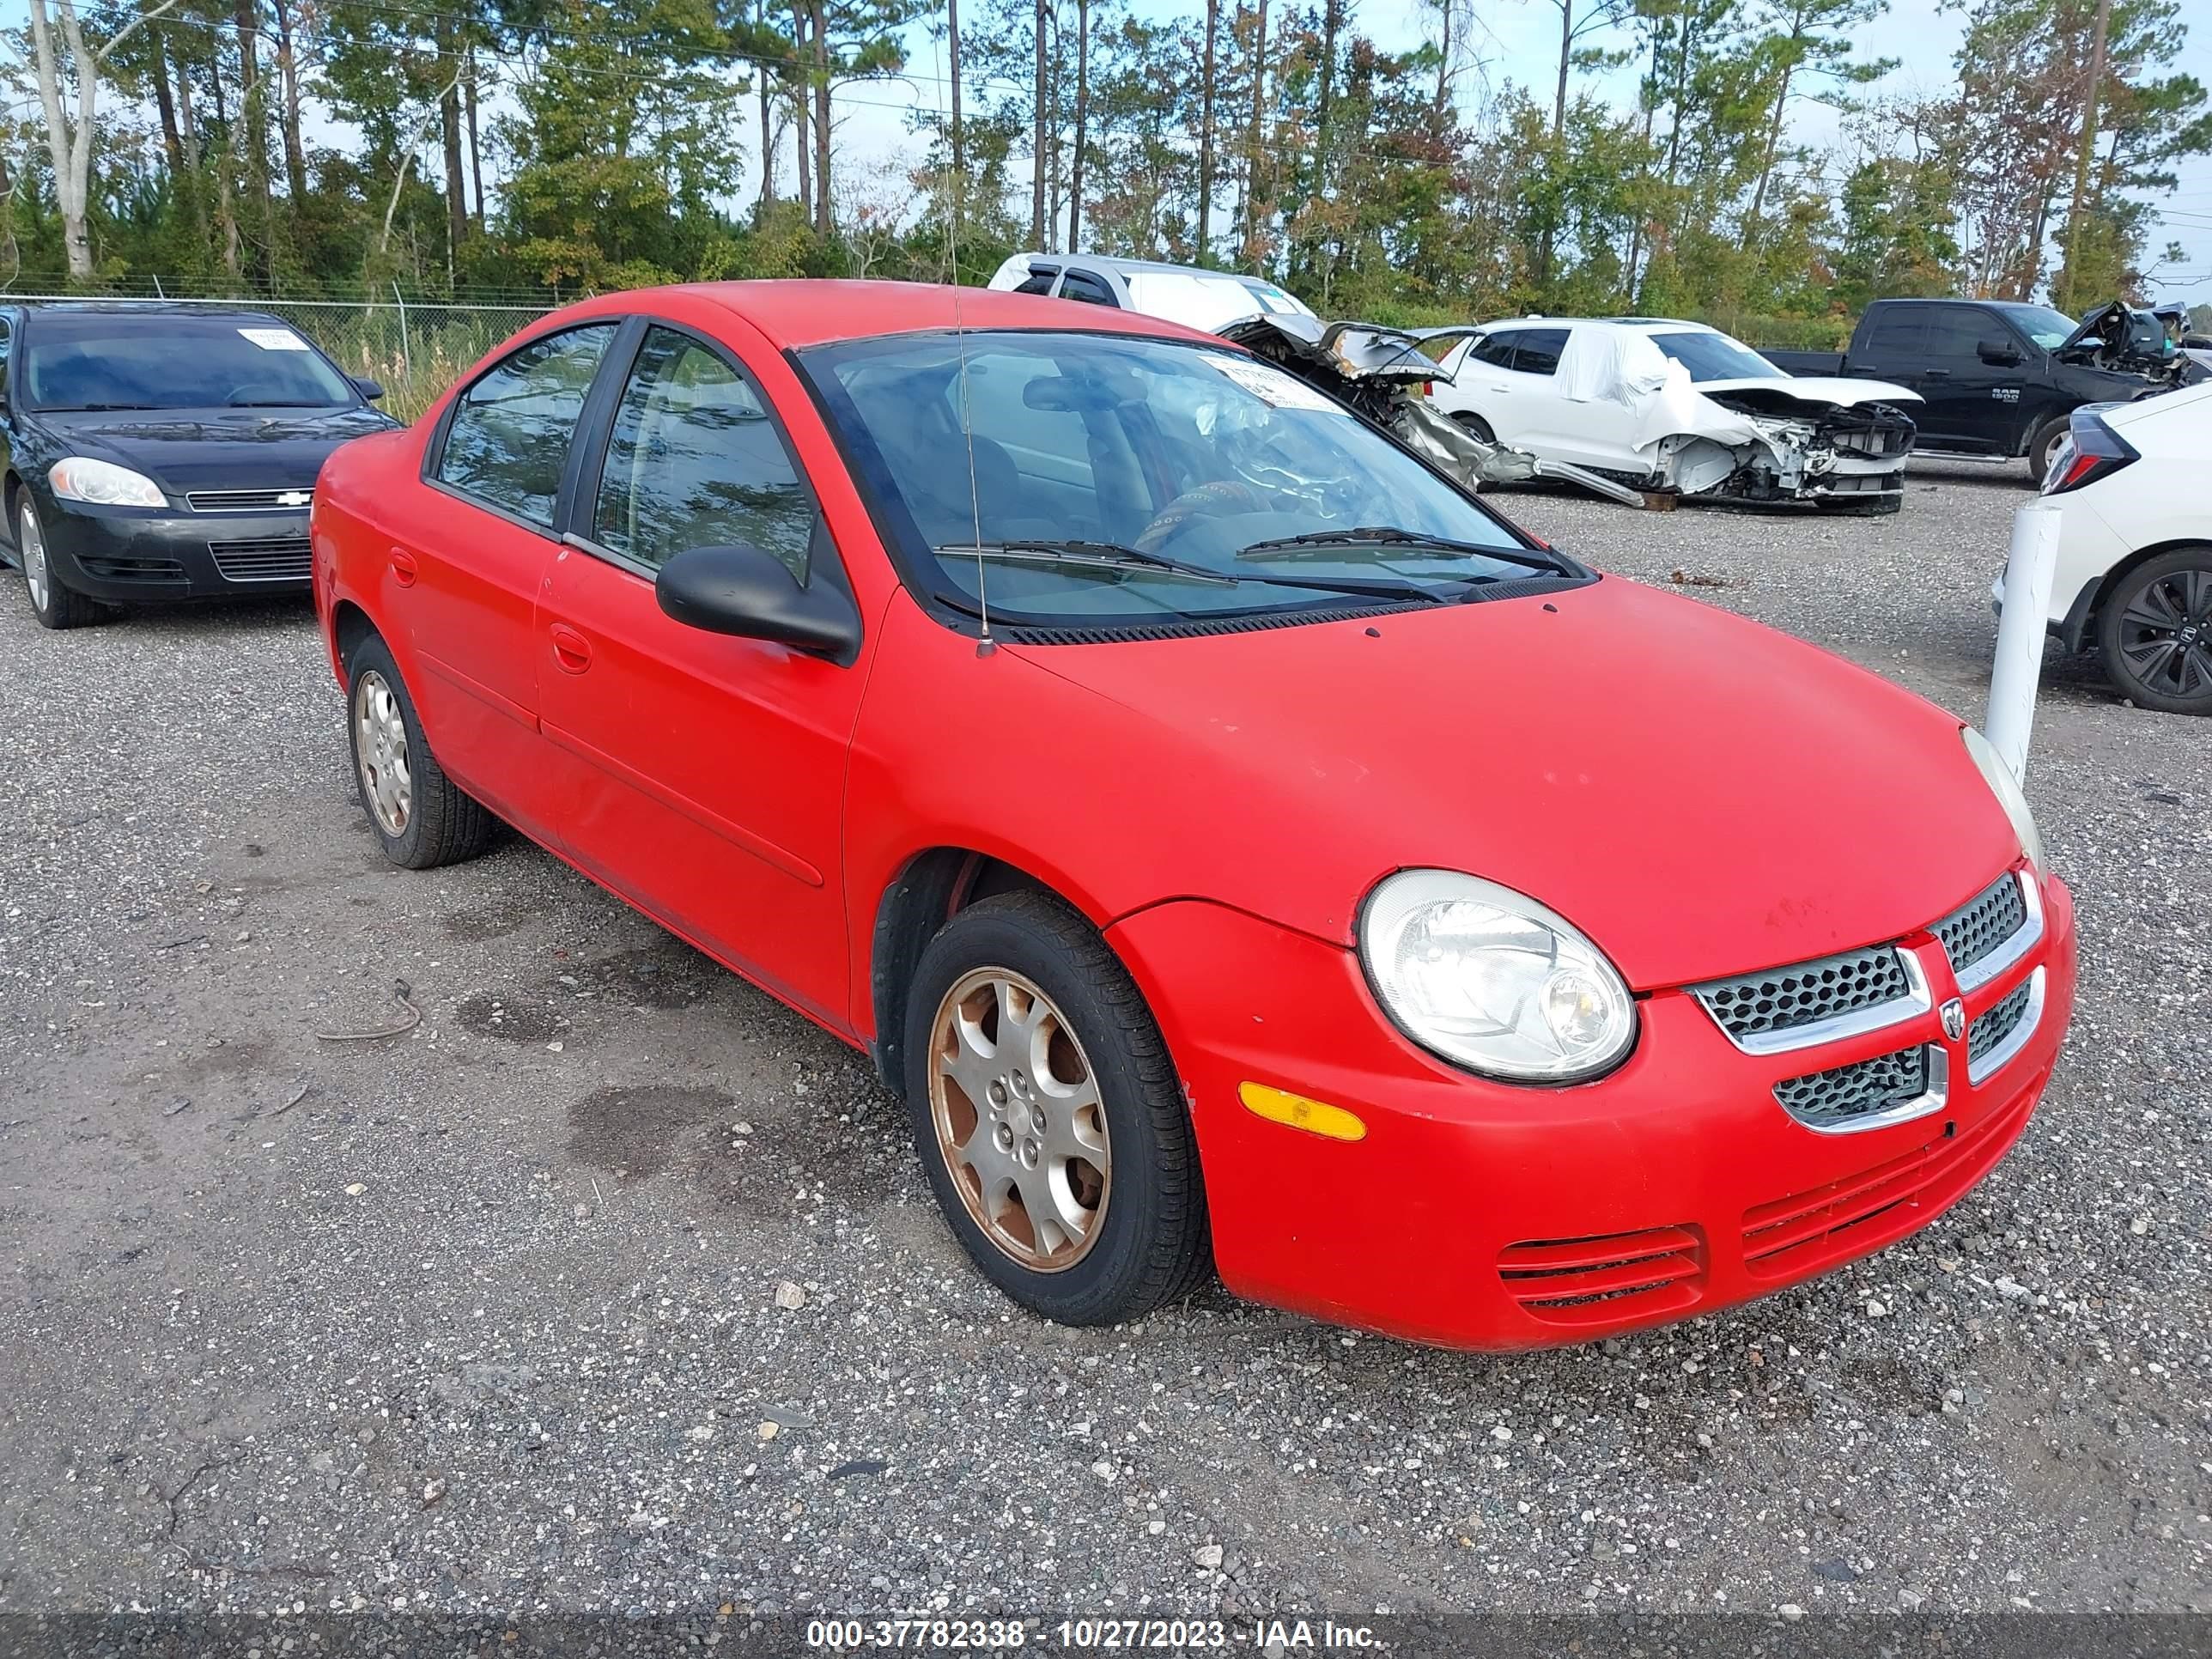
x=414, y=350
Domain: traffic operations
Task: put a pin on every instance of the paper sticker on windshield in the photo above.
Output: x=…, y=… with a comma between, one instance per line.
x=274, y=339
x=1271, y=386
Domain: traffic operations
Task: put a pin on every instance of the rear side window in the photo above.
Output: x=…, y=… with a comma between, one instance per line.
x=1496, y=350
x=1898, y=332
x=694, y=461
x=1082, y=285
x=1536, y=350
x=1039, y=280
x=508, y=437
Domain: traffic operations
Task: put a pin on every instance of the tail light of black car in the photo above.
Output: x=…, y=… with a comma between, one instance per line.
x=2092, y=450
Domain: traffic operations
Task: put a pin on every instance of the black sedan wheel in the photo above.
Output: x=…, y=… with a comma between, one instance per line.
x=2155, y=633
x=54, y=605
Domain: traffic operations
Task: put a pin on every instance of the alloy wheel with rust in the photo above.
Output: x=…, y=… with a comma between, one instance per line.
x=380, y=745
x=1019, y=1118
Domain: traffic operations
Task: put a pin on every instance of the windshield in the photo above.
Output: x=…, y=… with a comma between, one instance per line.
x=1184, y=456
x=1715, y=357
x=160, y=360
x=2047, y=328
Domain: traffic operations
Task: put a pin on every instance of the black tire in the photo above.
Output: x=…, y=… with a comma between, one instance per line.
x=1862, y=507
x=1151, y=1245
x=1476, y=425
x=55, y=603
x=441, y=823
x=2042, y=446
x=2154, y=632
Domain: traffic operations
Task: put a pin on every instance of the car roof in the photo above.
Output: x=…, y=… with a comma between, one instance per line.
x=797, y=312
x=1599, y=322
x=147, y=308
x=1127, y=267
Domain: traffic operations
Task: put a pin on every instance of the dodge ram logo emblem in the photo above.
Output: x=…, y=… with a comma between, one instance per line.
x=1954, y=1019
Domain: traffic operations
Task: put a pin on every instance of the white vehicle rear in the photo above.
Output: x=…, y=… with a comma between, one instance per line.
x=2133, y=579
x=1678, y=406
x=1208, y=299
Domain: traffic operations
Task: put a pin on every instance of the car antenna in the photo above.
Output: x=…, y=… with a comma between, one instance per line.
x=985, y=645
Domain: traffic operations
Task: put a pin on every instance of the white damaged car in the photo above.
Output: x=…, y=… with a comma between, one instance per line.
x=1681, y=409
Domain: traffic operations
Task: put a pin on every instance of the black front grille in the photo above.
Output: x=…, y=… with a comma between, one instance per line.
x=1997, y=1024
x=1983, y=923
x=1806, y=992
x=152, y=572
x=1846, y=1093
x=264, y=559
x=247, y=501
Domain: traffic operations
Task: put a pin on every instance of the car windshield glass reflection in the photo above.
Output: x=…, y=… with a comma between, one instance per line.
x=1192, y=454
x=1715, y=357
x=158, y=360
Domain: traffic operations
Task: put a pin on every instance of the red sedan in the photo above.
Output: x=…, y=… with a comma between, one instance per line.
x=1245, y=851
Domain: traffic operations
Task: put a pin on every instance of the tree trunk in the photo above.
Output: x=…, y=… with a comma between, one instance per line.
x=1082, y=112
x=767, y=131
x=1332, y=19
x=288, y=79
x=449, y=122
x=1773, y=141
x=476, y=149
x=953, y=54
x=70, y=151
x=802, y=120
x=1636, y=237
x=1037, y=143
x=1206, y=132
x=1566, y=56
x=1444, y=67
x=1252, y=251
x=253, y=101
x=825, y=209
x=2069, y=274
x=225, y=210
x=173, y=143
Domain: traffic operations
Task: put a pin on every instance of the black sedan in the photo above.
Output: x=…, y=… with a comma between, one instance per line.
x=163, y=452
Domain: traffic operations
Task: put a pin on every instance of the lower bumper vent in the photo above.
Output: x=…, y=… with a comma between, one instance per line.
x=264, y=559
x=1587, y=1281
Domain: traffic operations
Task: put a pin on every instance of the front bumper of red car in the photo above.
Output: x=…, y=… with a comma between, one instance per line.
x=1484, y=1215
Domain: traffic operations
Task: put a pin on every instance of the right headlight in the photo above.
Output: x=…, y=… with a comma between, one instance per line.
x=1491, y=979
x=2006, y=787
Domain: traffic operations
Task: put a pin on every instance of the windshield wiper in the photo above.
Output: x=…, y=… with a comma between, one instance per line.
x=1097, y=556
x=1314, y=543
x=1112, y=555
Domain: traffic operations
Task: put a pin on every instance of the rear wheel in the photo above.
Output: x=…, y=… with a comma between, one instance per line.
x=1048, y=1117
x=1476, y=426
x=53, y=603
x=2154, y=632
x=2043, y=446
x=422, y=818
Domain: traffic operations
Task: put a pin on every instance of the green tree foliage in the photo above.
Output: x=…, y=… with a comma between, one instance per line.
x=560, y=146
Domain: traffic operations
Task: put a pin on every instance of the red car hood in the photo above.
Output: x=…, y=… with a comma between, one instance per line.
x=1701, y=794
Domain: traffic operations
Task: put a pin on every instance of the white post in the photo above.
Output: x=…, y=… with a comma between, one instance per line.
x=2028, y=574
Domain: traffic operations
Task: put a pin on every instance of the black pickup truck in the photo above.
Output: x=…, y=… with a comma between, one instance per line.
x=1998, y=378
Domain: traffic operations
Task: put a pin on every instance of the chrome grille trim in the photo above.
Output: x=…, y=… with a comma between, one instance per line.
x=248, y=501
x=264, y=559
x=1855, y=1022
x=1934, y=1093
x=1980, y=971
x=1980, y=1067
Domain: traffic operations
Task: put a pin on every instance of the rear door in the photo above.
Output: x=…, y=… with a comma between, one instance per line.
x=1486, y=383
x=703, y=775
x=468, y=556
x=1530, y=393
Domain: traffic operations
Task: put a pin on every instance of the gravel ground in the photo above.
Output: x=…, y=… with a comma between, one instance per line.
x=500, y=1314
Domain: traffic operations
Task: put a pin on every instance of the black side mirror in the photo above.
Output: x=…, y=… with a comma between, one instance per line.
x=752, y=594
x=372, y=390
x=2002, y=354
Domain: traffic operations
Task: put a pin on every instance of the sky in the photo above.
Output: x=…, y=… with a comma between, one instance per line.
x=1518, y=41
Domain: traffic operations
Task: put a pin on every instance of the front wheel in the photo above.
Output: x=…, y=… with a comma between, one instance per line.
x=1049, y=1121
x=2043, y=446
x=52, y=602
x=2154, y=633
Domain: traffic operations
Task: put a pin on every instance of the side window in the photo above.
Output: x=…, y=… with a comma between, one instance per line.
x=508, y=437
x=693, y=460
x=1495, y=349
x=1082, y=285
x=1536, y=350
x=1039, y=280
x=1898, y=334
x=1954, y=332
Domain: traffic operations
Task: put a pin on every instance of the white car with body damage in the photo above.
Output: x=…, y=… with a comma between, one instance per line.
x=1680, y=407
